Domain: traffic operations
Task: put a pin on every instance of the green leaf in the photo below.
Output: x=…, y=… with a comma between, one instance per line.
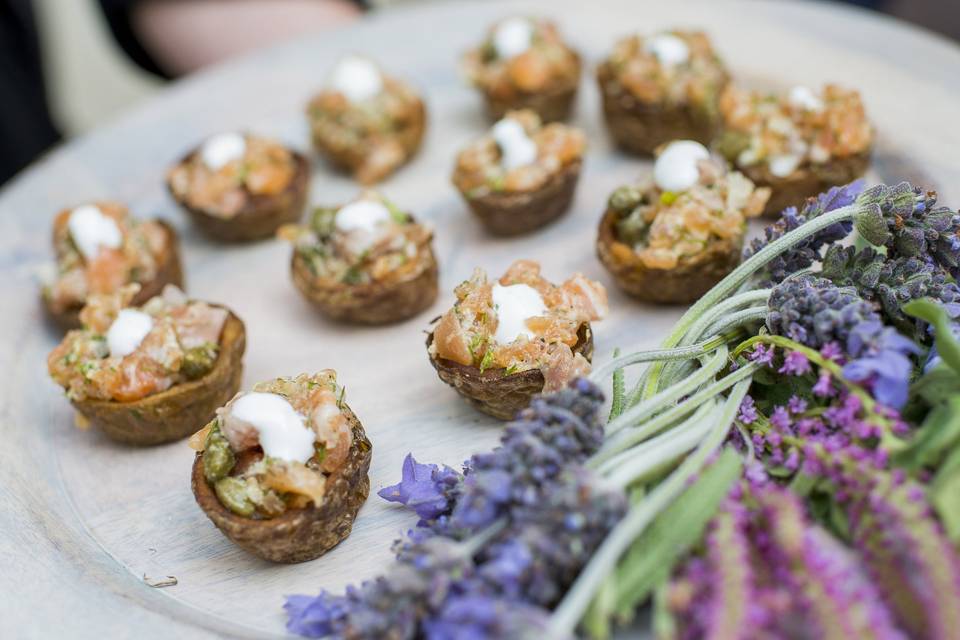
x=654, y=554
x=939, y=435
x=945, y=495
x=664, y=624
x=937, y=385
x=947, y=344
x=619, y=390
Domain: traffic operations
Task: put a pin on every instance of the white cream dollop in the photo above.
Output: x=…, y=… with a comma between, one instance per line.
x=222, y=149
x=668, y=49
x=127, y=332
x=283, y=433
x=512, y=37
x=363, y=215
x=803, y=98
x=92, y=230
x=676, y=167
x=515, y=304
x=357, y=78
x=516, y=147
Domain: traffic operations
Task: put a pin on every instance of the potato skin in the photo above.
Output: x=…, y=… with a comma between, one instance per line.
x=494, y=393
x=511, y=214
x=169, y=271
x=352, y=159
x=179, y=411
x=297, y=535
x=554, y=105
x=806, y=182
x=262, y=215
x=640, y=128
x=692, y=277
x=374, y=303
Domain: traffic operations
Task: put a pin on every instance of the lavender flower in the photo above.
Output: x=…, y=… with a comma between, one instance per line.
x=479, y=617
x=816, y=313
x=807, y=252
x=908, y=223
x=426, y=488
x=836, y=594
x=457, y=573
x=916, y=568
x=891, y=282
x=795, y=364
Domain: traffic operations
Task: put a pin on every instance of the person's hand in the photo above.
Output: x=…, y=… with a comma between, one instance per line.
x=184, y=35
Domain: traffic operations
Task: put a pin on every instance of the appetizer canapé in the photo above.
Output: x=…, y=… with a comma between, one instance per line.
x=99, y=248
x=151, y=374
x=798, y=144
x=660, y=88
x=366, y=262
x=505, y=341
x=240, y=187
x=282, y=470
x=522, y=174
x=366, y=121
x=524, y=64
x=671, y=238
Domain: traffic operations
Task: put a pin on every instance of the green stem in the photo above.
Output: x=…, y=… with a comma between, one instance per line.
x=671, y=394
x=581, y=593
x=709, y=345
x=698, y=328
x=680, y=353
x=740, y=275
x=738, y=319
x=630, y=437
x=633, y=464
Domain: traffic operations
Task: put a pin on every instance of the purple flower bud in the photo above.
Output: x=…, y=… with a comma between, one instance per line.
x=795, y=363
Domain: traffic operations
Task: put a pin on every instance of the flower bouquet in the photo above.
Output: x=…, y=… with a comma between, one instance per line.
x=785, y=466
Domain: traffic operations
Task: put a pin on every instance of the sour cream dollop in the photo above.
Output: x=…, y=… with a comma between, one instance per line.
x=357, y=78
x=676, y=167
x=365, y=215
x=804, y=98
x=222, y=149
x=93, y=230
x=512, y=37
x=283, y=432
x=515, y=304
x=668, y=49
x=127, y=332
x=516, y=147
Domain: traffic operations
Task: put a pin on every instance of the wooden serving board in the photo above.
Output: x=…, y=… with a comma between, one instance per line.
x=84, y=521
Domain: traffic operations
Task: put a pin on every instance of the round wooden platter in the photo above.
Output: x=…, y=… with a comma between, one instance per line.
x=86, y=526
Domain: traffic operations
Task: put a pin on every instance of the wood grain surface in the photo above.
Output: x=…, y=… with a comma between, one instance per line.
x=84, y=521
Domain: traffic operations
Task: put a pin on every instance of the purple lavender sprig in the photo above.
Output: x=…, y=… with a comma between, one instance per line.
x=808, y=252
x=815, y=312
x=495, y=544
x=906, y=221
x=891, y=283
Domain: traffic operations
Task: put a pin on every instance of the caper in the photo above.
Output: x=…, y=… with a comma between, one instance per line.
x=232, y=493
x=625, y=199
x=218, y=458
x=731, y=143
x=198, y=361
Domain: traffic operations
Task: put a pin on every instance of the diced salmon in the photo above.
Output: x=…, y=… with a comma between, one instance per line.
x=450, y=341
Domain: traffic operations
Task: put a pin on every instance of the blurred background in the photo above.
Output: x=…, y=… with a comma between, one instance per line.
x=68, y=65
